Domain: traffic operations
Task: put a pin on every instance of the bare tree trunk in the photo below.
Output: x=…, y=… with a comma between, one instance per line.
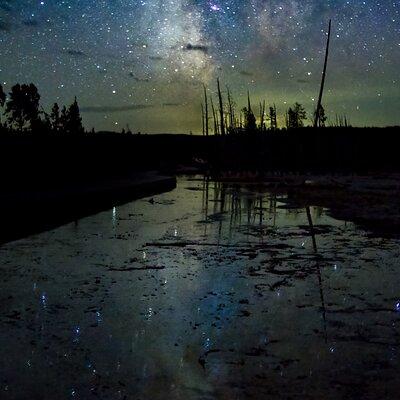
x=262, y=115
x=214, y=117
x=202, y=116
x=248, y=102
x=206, y=110
x=321, y=92
x=264, y=111
x=231, y=112
x=221, y=109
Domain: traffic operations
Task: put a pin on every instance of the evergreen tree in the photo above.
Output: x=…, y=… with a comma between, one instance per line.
x=23, y=105
x=272, y=118
x=250, y=124
x=74, y=120
x=55, y=118
x=296, y=116
x=64, y=119
x=41, y=126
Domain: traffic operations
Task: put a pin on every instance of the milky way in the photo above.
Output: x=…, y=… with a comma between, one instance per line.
x=143, y=63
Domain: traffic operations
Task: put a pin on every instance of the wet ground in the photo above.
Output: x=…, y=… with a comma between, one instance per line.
x=210, y=291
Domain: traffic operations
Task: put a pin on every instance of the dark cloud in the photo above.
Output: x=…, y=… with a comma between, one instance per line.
x=156, y=58
x=111, y=109
x=196, y=47
x=246, y=73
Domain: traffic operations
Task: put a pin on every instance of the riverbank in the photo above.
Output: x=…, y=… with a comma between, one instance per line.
x=28, y=211
x=371, y=200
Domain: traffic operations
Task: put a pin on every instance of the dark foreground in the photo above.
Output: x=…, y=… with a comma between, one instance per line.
x=211, y=291
x=34, y=209
x=51, y=179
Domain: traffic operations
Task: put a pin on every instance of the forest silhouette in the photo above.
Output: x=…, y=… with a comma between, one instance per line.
x=240, y=142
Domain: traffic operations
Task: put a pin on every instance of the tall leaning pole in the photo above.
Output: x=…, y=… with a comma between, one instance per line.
x=321, y=92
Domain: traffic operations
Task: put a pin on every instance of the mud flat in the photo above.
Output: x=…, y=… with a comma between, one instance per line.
x=208, y=291
x=29, y=211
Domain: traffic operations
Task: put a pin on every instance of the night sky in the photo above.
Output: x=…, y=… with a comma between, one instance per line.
x=143, y=63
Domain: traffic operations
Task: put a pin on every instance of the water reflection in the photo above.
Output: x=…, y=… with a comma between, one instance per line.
x=212, y=291
x=318, y=270
x=253, y=208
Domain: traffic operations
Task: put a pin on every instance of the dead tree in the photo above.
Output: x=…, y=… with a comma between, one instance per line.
x=262, y=116
x=231, y=110
x=221, y=109
x=321, y=92
x=248, y=102
x=202, y=117
x=272, y=118
x=214, y=118
x=206, y=110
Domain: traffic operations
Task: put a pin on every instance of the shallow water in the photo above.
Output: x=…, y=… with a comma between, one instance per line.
x=210, y=291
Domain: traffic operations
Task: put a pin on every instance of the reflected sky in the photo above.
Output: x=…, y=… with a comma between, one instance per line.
x=209, y=291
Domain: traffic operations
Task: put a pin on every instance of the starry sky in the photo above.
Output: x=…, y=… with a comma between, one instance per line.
x=143, y=62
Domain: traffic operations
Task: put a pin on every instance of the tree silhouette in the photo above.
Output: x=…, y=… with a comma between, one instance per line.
x=250, y=123
x=231, y=108
x=272, y=118
x=41, y=125
x=55, y=118
x=206, y=118
x=202, y=118
x=321, y=118
x=262, y=117
x=64, y=119
x=2, y=99
x=23, y=105
x=249, y=120
x=296, y=116
x=221, y=109
x=321, y=92
x=215, y=118
x=73, y=123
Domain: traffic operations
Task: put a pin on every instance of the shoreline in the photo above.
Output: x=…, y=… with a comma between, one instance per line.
x=29, y=212
x=369, y=201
